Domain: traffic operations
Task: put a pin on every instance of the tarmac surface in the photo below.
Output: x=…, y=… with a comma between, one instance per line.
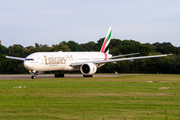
x=7, y=77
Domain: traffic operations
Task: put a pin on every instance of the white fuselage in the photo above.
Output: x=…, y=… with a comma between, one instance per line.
x=54, y=61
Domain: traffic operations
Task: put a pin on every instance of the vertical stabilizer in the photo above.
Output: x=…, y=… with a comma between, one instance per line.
x=106, y=42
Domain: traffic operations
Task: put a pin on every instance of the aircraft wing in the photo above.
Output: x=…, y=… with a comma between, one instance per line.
x=124, y=55
x=115, y=60
x=16, y=58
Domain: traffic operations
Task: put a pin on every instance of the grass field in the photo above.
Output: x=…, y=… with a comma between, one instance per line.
x=128, y=97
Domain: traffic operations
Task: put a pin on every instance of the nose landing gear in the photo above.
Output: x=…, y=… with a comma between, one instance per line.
x=33, y=77
x=33, y=73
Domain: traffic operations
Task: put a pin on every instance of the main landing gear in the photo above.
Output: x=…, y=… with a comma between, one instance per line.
x=58, y=75
x=87, y=75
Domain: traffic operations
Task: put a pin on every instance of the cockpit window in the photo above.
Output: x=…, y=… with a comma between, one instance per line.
x=29, y=59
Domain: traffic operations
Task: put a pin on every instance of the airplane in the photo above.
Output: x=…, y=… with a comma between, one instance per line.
x=86, y=62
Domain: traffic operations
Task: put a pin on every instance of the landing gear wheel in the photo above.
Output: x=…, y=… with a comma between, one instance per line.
x=87, y=75
x=59, y=75
x=33, y=77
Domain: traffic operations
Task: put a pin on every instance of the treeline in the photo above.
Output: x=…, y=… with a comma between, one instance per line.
x=170, y=64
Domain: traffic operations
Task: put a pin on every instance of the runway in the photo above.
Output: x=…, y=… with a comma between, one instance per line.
x=26, y=76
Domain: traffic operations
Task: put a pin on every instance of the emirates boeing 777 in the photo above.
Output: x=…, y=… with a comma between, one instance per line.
x=86, y=62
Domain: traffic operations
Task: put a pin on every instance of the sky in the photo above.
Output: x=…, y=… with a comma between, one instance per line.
x=27, y=22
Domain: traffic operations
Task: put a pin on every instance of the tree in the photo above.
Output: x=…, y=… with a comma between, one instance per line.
x=154, y=65
x=73, y=45
x=3, y=50
x=60, y=47
x=165, y=48
x=17, y=51
x=144, y=50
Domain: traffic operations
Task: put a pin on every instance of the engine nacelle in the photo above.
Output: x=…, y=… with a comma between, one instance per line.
x=88, y=69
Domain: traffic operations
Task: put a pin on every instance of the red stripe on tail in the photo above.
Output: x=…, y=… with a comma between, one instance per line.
x=103, y=47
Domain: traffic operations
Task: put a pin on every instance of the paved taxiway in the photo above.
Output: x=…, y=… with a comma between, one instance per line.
x=3, y=77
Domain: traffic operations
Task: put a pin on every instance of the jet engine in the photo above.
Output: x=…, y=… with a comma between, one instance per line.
x=88, y=69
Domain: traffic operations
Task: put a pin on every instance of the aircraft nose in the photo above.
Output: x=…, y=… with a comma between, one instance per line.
x=27, y=65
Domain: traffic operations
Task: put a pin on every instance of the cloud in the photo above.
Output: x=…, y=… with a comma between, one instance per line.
x=46, y=22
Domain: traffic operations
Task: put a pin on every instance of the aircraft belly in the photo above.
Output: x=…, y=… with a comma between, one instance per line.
x=49, y=67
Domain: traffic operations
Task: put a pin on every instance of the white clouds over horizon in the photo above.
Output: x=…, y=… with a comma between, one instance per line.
x=50, y=22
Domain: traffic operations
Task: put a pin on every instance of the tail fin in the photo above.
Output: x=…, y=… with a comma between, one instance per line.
x=106, y=42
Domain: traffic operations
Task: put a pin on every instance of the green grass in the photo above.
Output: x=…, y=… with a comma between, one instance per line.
x=128, y=97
